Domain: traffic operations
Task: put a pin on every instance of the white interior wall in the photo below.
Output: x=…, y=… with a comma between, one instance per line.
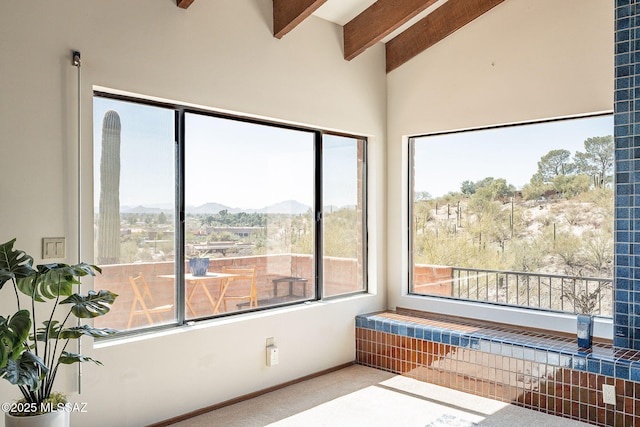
x=522, y=61
x=218, y=54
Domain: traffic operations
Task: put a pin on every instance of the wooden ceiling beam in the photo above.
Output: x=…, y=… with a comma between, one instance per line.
x=287, y=14
x=378, y=21
x=183, y=4
x=445, y=20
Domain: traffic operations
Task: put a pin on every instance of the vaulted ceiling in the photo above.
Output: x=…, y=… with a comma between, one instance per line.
x=406, y=27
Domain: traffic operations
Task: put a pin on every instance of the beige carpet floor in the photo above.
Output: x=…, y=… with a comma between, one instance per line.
x=362, y=396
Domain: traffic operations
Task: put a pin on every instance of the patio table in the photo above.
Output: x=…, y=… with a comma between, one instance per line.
x=200, y=282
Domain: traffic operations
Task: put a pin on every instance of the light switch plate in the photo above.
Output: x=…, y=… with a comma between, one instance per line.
x=53, y=247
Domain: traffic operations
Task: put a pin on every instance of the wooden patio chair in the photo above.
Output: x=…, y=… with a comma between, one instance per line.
x=143, y=302
x=242, y=286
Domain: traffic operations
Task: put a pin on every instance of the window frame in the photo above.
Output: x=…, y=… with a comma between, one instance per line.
x=479, y=308
x=180, y=111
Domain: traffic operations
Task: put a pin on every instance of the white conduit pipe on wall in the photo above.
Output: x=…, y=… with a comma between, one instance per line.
x=76, y=62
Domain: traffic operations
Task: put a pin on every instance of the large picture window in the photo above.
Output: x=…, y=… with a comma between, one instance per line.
x=199, y=215
x=517, y=215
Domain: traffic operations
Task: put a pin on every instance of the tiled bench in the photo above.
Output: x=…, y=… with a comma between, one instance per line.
x=529, y=368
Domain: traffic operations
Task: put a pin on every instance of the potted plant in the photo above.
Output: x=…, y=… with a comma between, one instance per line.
x=199, y=264
x=585, y=304
x=31, y=354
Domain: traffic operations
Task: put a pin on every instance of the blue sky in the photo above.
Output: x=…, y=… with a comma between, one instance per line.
x=234, y=163
x=262, y=165
x=443, y=162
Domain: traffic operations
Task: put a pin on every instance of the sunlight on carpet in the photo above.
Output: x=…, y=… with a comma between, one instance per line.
x=422, y=405
x=448, y=420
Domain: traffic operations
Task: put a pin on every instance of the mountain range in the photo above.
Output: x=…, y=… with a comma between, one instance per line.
x=285, y=207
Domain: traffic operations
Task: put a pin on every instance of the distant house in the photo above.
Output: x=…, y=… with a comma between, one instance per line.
x=238, y=231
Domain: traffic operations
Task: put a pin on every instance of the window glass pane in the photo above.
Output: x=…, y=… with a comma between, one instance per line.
x=249, y=192
x=134, y=198
x=343, y=225
x=519, y=215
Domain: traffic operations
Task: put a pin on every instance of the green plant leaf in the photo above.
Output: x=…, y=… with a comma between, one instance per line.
x=20, y=323
x=53, y=280
x=78, y=331
x=27, y=370
x=69, y=358
x=13, y=333
x=14, y=263
x=51, y=330
x=94, y=304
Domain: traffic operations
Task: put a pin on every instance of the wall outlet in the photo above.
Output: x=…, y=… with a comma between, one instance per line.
x=609, y=394
x=272, y=355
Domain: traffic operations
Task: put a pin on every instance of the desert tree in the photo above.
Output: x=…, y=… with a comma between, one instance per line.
x=554, y=163
x=597, y=159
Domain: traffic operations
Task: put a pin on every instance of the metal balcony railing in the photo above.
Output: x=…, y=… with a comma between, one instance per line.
x=574, y=294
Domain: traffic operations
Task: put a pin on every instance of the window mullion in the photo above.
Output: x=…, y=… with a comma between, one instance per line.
x=319, y=255
x=180, y=216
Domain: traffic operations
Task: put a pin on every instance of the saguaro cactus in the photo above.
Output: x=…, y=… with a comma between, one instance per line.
x=109, y=209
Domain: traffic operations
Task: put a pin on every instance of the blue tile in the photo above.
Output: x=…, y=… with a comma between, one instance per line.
x=386, y=327
x=622, y=248
x=621, y=295
x=621, y=307
x=371, y=324
x=622, y=260
x=622, y=36
x=622, y=24
x=621, y=119
x=624, y=166
x=464, y=341
x=580, y=362
x=607, y=368
x=623, y=11
x=622, y=371
x=623, y=71
x=436, y=335
x=411, y=331
x=427, y=334
x=635, y=372
x=455, y=339
x=621, y=316
x=622, y=95
x=622, y=271
x=624, y=189
x=621, y=341
x=419, y=331
x=445, y=337
x=593, y=366
x=402, y=329
x=622, y=106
